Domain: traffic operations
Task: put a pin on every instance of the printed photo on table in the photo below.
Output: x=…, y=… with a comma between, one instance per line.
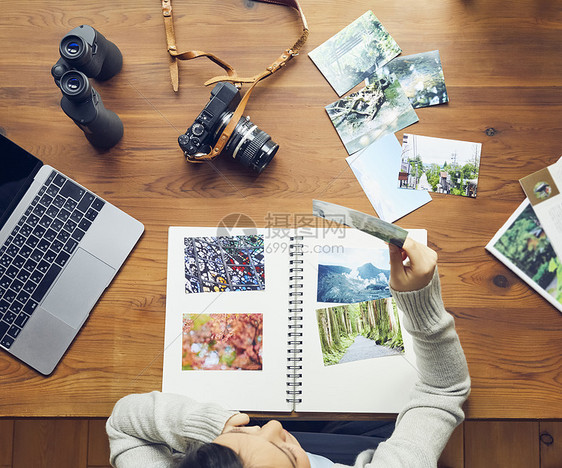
x=224, y=263
x=421, y=77
x=365, y=330
x=376, y=110
x=353, y=275
x=522, y=245
x=375, y=168
x=222, y=341
x=354, y=53
x=387, y=232
x=439, y=165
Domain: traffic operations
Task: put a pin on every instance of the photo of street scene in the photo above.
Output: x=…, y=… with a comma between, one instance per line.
x=525, y=246
x=364, y=330
x=421, y=77
x=376, y=110
x=354, y=53
x=353, y=275
x=439, y=165
x=222, y=341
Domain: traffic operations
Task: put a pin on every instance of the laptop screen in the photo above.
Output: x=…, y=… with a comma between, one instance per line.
x=17, y=169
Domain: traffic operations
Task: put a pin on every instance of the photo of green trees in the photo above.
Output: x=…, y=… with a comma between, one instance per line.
x=421, y=77
x=362, y=330
x=355, y=53
x=526, y=245
x=380, y=108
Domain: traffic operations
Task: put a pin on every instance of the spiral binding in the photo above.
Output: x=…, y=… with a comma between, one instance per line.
x=294, y=335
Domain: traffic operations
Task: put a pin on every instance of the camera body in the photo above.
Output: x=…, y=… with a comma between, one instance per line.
x=199, y=138
x=85, y=52
x=249, y=145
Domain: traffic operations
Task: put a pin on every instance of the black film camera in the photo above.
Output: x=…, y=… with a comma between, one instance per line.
x=85, y=52
x=248, y=145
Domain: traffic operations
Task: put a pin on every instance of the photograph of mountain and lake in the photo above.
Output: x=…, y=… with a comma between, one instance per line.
x=356, y=275
x=439, y=165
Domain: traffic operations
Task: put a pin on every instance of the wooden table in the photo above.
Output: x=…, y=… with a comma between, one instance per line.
x=504, y=78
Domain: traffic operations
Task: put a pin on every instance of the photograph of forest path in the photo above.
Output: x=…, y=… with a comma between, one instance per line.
x=363, y=330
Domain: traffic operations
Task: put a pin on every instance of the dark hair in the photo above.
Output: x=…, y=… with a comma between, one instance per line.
x=211, y=455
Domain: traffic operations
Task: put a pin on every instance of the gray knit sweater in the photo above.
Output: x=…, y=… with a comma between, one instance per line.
x=145, y=429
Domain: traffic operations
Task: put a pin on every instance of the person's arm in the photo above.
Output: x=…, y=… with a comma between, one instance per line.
x=425, y=425
x=145, y=429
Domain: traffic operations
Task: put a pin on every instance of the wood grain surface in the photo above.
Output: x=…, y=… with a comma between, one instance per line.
x=503, y=72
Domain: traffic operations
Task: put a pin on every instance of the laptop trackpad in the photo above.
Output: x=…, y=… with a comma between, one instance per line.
x=78, y=288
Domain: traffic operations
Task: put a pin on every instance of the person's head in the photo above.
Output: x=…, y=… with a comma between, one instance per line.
x=211, y=456
x=250, y=447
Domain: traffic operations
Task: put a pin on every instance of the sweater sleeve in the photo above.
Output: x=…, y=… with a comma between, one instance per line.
x=146, y=429
x=426, y=423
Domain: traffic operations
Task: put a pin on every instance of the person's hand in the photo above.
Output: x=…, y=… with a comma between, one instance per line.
x=414, y=274
x=237, y=420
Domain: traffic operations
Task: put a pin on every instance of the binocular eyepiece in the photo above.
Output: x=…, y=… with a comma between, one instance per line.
x=75, y=86
x=86, y=53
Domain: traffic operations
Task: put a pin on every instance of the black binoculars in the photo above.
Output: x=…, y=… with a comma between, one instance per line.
x=86, y=53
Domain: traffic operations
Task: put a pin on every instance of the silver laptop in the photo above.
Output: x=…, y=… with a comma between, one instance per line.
x=60, y=247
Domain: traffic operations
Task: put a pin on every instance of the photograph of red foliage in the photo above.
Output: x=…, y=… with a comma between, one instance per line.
x=222, y=341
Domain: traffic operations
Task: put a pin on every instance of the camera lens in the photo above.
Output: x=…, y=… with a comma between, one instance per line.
x=75, y=86
x=249, y=145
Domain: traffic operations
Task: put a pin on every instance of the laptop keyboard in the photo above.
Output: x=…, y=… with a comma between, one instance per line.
x=39, y=247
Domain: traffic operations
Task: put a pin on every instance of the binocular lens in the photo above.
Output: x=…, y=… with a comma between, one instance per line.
x=75, y=86
x=73, y=48
x=73, y=83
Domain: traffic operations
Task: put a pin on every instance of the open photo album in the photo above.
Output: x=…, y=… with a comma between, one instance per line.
x=525, y=248
x=285, y=320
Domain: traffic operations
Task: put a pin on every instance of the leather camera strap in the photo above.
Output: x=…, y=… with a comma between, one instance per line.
x=231, y=74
